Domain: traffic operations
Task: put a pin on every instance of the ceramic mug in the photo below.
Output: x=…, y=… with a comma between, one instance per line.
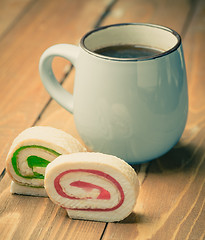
x=134, y=108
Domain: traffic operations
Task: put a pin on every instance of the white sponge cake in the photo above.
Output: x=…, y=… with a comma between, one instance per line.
x=92, y=186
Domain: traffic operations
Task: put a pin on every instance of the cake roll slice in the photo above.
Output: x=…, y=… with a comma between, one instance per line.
x=26, y=190
x=30, y=153
x=92, y=186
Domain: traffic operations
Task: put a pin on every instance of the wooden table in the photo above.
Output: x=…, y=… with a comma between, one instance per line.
x=171, y=201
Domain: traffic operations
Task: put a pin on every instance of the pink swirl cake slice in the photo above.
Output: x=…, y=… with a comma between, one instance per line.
x=92, y=186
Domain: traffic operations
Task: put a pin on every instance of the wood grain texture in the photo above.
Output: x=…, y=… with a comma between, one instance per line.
x=22, y=99
x=48, y=22
x=24, y=217
x=171, y=200
x=163, y=12
x=10, y=12
x=165, y=211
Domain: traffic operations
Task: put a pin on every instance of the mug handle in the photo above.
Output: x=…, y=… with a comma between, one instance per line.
x=57, y=92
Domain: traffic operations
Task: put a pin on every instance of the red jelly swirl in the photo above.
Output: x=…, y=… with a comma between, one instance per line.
x=104, y=194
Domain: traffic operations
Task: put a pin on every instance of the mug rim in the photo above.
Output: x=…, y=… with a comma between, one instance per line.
x=164, y=53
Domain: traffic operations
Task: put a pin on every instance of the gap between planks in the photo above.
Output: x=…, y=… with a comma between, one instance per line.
x=97, y=24
x=190, y=15
x=144, y=169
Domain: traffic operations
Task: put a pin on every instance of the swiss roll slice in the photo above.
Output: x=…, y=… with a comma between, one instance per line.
x=92, y=186
x=30, y=153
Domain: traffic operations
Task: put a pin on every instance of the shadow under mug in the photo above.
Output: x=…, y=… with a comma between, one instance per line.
x=134, y=108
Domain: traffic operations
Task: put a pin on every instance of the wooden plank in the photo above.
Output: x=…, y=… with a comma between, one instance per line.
x=164, y=12
x=38, y=218
x=151, y=218
x=22, y=99
x=195, y=54
x=22, y=93
x=10, y=11
x=157, y=215
x=171, y=201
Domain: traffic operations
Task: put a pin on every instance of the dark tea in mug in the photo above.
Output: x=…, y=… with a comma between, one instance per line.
x=128, y=51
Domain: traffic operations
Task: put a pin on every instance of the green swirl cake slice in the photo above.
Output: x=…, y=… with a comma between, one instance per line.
x=31, y=151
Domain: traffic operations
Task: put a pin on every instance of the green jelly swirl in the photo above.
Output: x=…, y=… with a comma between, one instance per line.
x=33, y=161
